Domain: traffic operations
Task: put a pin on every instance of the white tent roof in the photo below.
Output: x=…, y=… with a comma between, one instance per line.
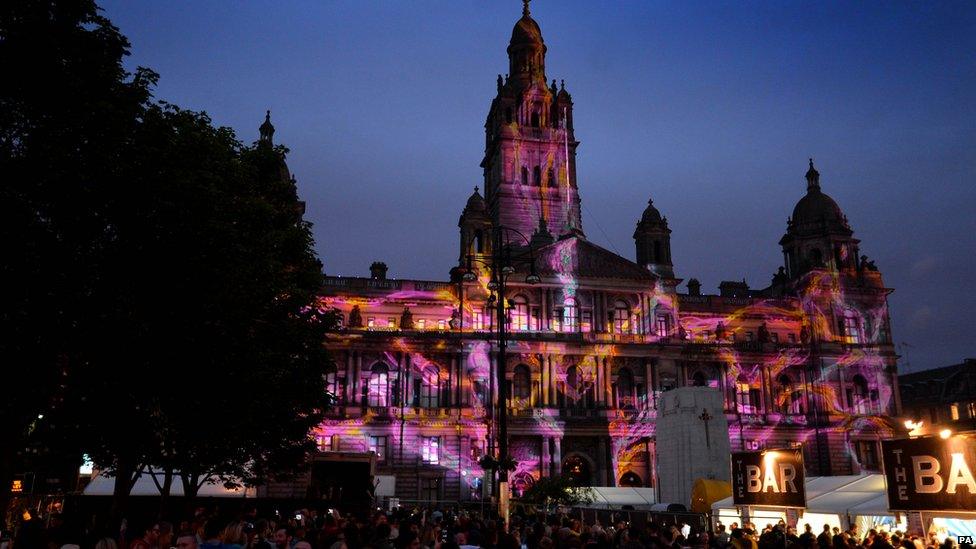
x=104, y=486
x=604, y=496
x=857, y=495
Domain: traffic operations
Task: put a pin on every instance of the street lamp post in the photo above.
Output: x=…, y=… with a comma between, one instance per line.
x=501, y=264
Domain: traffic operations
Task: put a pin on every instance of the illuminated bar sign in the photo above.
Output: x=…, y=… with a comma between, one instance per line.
x=930, y=474
x=770, y=478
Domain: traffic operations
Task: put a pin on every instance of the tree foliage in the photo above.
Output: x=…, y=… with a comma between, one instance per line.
x=558, y=490
x=168, y=311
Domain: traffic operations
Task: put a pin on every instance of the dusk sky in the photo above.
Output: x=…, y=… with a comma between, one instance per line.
x=711, y=109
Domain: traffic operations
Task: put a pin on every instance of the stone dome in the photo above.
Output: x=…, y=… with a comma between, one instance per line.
x=817, y=211
x=651, y=214
x=526, y=31
x=476, y=203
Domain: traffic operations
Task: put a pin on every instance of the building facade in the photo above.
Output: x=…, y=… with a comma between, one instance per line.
x=941, y=398
x=806, y=360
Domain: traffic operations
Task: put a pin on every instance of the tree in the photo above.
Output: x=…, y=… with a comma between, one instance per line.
x=67, y=111
x=216, y=275
x=558, y=490
x=167, y=313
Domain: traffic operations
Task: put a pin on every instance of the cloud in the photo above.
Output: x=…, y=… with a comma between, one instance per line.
x=922, y=316
x=924, y=266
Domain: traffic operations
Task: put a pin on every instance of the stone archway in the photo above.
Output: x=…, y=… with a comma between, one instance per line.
x=630, y=479
x=578, y=469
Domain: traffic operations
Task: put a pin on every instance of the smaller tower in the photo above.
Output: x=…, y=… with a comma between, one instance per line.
x=266, y=130
x=818, y=236
x=475, y=225
x=653, y=240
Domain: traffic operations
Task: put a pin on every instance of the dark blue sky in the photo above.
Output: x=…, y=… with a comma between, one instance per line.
x=710, y=108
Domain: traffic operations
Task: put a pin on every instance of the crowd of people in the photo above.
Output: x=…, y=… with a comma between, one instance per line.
x=433, y=528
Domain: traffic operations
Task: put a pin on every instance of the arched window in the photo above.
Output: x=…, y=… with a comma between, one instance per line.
x=621, y=317
x=521, y=382
x=508, y=115
x=698, y=380
x=626, y=398
x=535, y=119
x=430, y=387
x=378, y=387
x=570, y=315
x=816, y=257
x=525, y=175
x=631, y=479
x=479, y=241
x=537, y=176
x=519, y=313
x=859, y=395
x=578, y=471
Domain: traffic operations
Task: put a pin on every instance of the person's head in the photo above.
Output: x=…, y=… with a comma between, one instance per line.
x=165, y=534
x=106, y=543
x=186, y=541
x=282, y=537
x=234, y=533
x=807, y=528
x=721, y=528
x=151, y=534
x=212, y=530
x=826, y=528
x=407, y=540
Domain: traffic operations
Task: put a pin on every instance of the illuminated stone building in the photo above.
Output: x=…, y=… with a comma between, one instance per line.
x=807, y=360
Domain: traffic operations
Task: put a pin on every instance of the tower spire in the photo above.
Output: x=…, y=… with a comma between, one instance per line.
x=525, y=8
x=813, y=178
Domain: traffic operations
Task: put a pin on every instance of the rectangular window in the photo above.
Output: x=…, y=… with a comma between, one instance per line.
x=971, y=409
x=661, y=326
x=557, y=315
x=851, y=332
x=378, y=446
x=391, y=323
x=422, y=324
x=327, y=443
x=371, y=323
x=430, y=450
x=430, y=489
x=441, y=324
x=867, y=454
x=954, y=411
x=569, y=319
x=586, y=324
x=534, y=321
x=519, y=317
x=478, y=320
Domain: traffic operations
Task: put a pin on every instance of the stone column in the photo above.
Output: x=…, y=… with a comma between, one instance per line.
x=607, y=381
x=602, y=463
x=357, y=376
x=649, y=383
x=557, y=457
x=651, y=479
x=546, y=466
x=544, y=368
x=350, y=380
x=598, y=383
